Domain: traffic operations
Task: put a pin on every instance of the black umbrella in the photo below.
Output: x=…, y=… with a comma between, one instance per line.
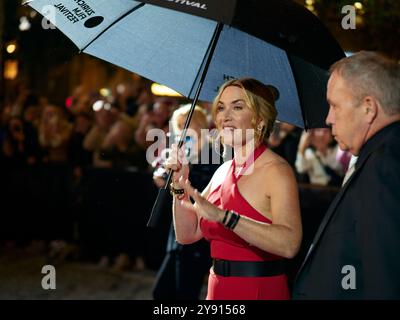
x=310, y=47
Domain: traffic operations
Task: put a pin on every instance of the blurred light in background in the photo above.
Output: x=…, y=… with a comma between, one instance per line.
x=24, y=24
x=360, y=12
x=121, y=88
x=10, y=69
x=310, y=6
x=11, y=47
x=68, y=102
x=100, y=104
x=359, y=20
x=358, y=5
x=105, y=92
x=33, y=14
x=161, y=90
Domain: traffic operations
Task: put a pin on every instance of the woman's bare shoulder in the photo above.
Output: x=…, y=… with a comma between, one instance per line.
x=272, y=164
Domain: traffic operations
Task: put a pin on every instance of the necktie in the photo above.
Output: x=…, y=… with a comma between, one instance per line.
x=350, y=170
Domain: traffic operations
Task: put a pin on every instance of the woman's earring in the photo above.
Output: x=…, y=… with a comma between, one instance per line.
x=215, y=136
x=260, y=129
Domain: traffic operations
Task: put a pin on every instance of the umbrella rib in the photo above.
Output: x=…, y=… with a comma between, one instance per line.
x=217, y=31
x=112, y=24
x=202, y=73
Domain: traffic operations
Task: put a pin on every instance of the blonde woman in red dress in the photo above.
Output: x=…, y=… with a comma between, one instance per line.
x=250, y=210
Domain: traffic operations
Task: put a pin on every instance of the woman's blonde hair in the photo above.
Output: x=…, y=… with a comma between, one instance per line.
x=260, y=98
x=199, y=116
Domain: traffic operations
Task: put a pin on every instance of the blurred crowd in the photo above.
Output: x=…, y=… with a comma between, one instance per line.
x=76, y=182
x=103, y=131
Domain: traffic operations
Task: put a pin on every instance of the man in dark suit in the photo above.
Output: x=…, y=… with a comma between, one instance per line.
x=356, y=251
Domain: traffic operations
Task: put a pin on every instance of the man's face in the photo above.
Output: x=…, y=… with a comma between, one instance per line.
x=345, y=116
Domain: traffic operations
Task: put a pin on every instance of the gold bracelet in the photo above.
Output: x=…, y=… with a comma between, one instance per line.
x=178, y=193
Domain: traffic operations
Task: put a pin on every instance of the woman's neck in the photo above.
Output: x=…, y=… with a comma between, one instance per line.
x=242, y=152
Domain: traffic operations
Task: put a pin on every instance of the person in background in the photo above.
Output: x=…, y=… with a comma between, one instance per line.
x=120, y=147
x=157, y=116
x=79, y=157
x=16, y=151
x=317, y=158
x=54, y=134
x=106, y=114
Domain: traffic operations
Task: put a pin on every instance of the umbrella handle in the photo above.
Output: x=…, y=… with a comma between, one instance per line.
x=163, y=192
x=156, y=212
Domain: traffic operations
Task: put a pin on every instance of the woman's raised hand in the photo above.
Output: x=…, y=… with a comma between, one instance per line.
x=202, y=206
x=177, y=162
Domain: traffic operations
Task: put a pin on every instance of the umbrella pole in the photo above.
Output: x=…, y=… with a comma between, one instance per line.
x=162, y=196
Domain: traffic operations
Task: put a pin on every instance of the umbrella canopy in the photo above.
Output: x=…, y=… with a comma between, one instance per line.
x=277, y=42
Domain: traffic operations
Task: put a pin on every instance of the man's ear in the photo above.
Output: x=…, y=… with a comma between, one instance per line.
x=371, y=105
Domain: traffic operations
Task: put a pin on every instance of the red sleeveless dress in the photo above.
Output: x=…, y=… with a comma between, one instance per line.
x=225, y=244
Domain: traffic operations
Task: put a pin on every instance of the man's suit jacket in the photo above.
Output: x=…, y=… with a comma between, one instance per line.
x=360, y=233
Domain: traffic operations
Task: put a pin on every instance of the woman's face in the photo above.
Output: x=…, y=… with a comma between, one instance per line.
x=321, y=138
x=234, y=117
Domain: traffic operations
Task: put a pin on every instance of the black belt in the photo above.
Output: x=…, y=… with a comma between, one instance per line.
x=228, y=268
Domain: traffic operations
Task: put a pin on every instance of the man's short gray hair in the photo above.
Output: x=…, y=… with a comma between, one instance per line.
x=369, y=73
